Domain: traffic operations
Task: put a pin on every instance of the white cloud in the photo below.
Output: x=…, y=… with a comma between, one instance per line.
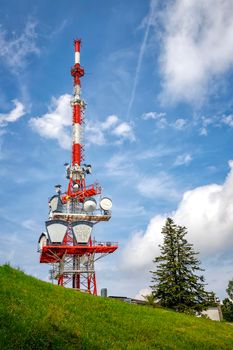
x=200, y=123
x=197, y=47
x=162, y=122
x=205, y=123
x=141, y=249
x=228, y=120
x=203, y=131
x=161, y=187
x=153, y=115
x=183, y=159
x=215, y=121
x=120, y=165
x=160, y=118
x=206, y=211
x=99, y=132
x=109, y=122
x=125, y=131
x=15, y=51
x=94, y=133
x=17, y=112
x=55, y=124
x=180, y=124
x=142, y=293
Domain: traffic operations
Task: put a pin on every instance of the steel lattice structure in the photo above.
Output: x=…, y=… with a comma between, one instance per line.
x=67, y=243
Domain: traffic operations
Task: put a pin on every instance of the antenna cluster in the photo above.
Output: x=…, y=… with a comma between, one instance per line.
x=67, y=243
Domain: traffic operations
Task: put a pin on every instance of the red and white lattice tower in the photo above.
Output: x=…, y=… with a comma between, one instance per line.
x=68, y=243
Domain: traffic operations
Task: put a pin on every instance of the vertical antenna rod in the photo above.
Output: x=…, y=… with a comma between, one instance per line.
x=78, y=105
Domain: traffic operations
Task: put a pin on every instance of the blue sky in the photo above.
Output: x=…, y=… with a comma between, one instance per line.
x=159, y=125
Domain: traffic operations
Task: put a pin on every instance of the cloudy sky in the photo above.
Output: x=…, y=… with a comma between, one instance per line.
x=159, y=127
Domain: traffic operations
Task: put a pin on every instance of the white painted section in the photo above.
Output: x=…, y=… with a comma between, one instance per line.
x=77, y=91
x=77, y=57
x=77, y=133
x=89, y=205
x=56, y=232
x=106, y=203
x=82, y=232
x=76, y=98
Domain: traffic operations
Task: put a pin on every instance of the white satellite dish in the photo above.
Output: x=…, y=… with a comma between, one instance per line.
x=76, y=187
x=89, y=205
x=106, y=203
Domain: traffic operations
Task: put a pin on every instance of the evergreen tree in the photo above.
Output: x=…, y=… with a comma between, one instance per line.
x=175, y=282
x=227, y=308
x=229, y=289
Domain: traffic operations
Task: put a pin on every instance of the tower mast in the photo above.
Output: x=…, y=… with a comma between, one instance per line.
x=78, y=106
x=67, y=243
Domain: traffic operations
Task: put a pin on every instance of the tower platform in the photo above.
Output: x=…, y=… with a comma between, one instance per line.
x=54, y=253
x=80, y=216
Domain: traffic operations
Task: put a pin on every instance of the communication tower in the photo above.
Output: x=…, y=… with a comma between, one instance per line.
x=68, y=244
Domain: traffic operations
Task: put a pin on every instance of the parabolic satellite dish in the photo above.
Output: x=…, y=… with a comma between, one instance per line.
x=89, y=205
x=106, y=203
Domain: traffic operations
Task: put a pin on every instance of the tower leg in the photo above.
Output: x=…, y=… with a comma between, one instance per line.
x=76, y=272
x=78, y=281
x=61, y=280
x=94, y=285
x=74, y=275
x=89, y=284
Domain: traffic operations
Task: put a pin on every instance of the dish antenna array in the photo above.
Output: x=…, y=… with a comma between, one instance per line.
x=67, y=243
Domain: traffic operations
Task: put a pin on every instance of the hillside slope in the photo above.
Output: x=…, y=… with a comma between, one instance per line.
x=38, y=315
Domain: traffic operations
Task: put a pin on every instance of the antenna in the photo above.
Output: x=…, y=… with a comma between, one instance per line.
x=68, y=245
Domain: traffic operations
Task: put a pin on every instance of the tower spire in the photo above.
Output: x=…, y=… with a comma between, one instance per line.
x=78, y=106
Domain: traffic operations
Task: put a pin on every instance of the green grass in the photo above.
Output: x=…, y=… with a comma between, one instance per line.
x=38, y=315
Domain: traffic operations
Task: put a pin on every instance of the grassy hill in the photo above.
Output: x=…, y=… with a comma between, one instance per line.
x=38, y=315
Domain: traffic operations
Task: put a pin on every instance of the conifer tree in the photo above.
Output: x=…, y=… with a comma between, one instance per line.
x=176, y=283
x=227, y=307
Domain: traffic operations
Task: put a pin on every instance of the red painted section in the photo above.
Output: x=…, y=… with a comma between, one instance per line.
x=85, y=192
x=76, y=154
x=95, y=287
x=77, y=45
x=52, y=253
x=89, y=284
x=77, y=72
x=77, y=114
x=61, y=281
